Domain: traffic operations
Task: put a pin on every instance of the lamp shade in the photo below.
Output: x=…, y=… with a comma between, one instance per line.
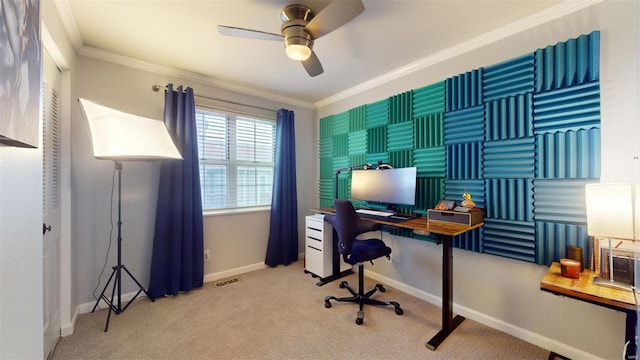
x=610, y=211
x=116, y=135
x=636, y=211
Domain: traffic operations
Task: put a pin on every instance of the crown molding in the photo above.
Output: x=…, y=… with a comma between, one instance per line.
x=487, y=38
x=111, y=57
x=69, y=22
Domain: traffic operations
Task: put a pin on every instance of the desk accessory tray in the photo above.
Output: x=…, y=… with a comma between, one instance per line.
x=469, y=218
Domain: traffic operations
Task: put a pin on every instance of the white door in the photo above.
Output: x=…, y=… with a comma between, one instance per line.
x=51, y=202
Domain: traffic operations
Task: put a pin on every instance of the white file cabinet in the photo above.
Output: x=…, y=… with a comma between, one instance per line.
x=319, y=247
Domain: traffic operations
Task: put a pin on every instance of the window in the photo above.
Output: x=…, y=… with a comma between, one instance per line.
x=236, y=155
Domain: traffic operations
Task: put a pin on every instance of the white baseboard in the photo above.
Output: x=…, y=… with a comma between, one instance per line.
x=523, y=334
x=233, y=272
x=237, y=271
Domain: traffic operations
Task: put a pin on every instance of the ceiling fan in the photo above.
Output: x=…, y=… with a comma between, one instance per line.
x=301, y=26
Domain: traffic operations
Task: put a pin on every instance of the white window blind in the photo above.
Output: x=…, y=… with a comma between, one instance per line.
x=236, y=155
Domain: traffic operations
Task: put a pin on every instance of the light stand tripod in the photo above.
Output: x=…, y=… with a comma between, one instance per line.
x=116, y=275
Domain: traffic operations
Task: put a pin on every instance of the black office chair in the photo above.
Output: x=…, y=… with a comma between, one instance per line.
x=348, y=225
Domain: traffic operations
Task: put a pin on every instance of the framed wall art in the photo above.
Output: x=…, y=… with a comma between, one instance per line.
x=20, y=72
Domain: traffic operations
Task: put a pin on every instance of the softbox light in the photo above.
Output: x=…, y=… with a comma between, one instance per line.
x=120, y=136
x=117, y=135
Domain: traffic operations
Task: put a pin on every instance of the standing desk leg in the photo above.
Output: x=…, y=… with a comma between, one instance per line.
x=336, y=273
x=630, y=334
x=449, y=323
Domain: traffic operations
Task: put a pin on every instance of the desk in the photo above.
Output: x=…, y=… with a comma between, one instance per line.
x=444, y=232
x=583, y=289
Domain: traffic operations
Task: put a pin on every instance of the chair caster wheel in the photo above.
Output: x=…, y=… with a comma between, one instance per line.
x=327, y=304
x=381, y=288
x=399, y=310
x=360, y=318
x=343, y=285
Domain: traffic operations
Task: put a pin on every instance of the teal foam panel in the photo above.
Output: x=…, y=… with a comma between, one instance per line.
x=325, y=147
x=464, y=126
x=340, y=145
x=378, y=113
x=509, y=199
x=340, y=123
x=326, y=188
x=429, y=131
x=455, y=188
x=344, y=187
x=508, y=238
x=340, y=163
x=326, y=168
x=568, y=155
x=358, y=118
x=359, y=159
x=401, y=158
x=569, y=109
x=429, y=100
x=326, y=202
x=510, y=158
x=357, y=142
x=377, y=139
x=464, y=161
x=374, y=158
x=560, y=200
x=464, y=91
x=471, y=240
x=509, y=78
x=400, y=136
x=400, y=108
x=553, y=238
x=429, y=191
x=509, y=118
x=326, y=127
x=430, y=162
x=569, y=63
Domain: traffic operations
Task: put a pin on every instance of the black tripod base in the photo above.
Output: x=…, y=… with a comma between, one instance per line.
x=117, y=308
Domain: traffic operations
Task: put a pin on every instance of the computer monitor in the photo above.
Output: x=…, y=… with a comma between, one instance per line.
x=389, y=186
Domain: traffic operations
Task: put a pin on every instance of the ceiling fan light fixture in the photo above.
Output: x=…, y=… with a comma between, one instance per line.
x=298, y=52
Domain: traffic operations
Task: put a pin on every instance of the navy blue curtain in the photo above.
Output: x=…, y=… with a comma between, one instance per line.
x=177, y=262
x=283, y=230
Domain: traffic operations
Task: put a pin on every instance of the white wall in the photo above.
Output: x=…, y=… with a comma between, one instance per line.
x=21, y=273
x=236, y=241
x=21, y=306
x=505, y=293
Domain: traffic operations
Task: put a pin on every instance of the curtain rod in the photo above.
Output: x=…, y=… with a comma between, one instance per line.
x=157, y=88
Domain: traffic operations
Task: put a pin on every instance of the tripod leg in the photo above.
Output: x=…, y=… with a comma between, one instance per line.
x=103, y=290
x=139, y=285
x=111, y=306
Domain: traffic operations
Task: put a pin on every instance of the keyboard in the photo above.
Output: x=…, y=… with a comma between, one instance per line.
x=374, y=212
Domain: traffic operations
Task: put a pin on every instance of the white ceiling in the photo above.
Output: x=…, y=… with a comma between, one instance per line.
x=387, y=36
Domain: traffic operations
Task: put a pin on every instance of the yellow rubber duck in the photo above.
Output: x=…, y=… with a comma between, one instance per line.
x=467, y=202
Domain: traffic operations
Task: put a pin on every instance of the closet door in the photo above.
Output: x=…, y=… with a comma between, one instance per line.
x=51, y=202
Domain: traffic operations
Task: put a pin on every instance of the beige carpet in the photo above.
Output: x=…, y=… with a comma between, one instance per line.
x=279, y=313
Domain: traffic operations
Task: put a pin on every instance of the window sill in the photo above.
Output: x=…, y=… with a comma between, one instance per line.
x=247, y=210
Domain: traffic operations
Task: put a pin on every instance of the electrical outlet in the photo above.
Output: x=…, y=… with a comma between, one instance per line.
x=207, y=255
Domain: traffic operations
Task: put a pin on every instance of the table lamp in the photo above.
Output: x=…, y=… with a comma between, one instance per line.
x=610, y=214
x=119, y=136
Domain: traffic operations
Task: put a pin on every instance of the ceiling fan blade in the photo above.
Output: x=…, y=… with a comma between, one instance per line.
x=248, y=33
x=312, y=65
x=333, y=16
